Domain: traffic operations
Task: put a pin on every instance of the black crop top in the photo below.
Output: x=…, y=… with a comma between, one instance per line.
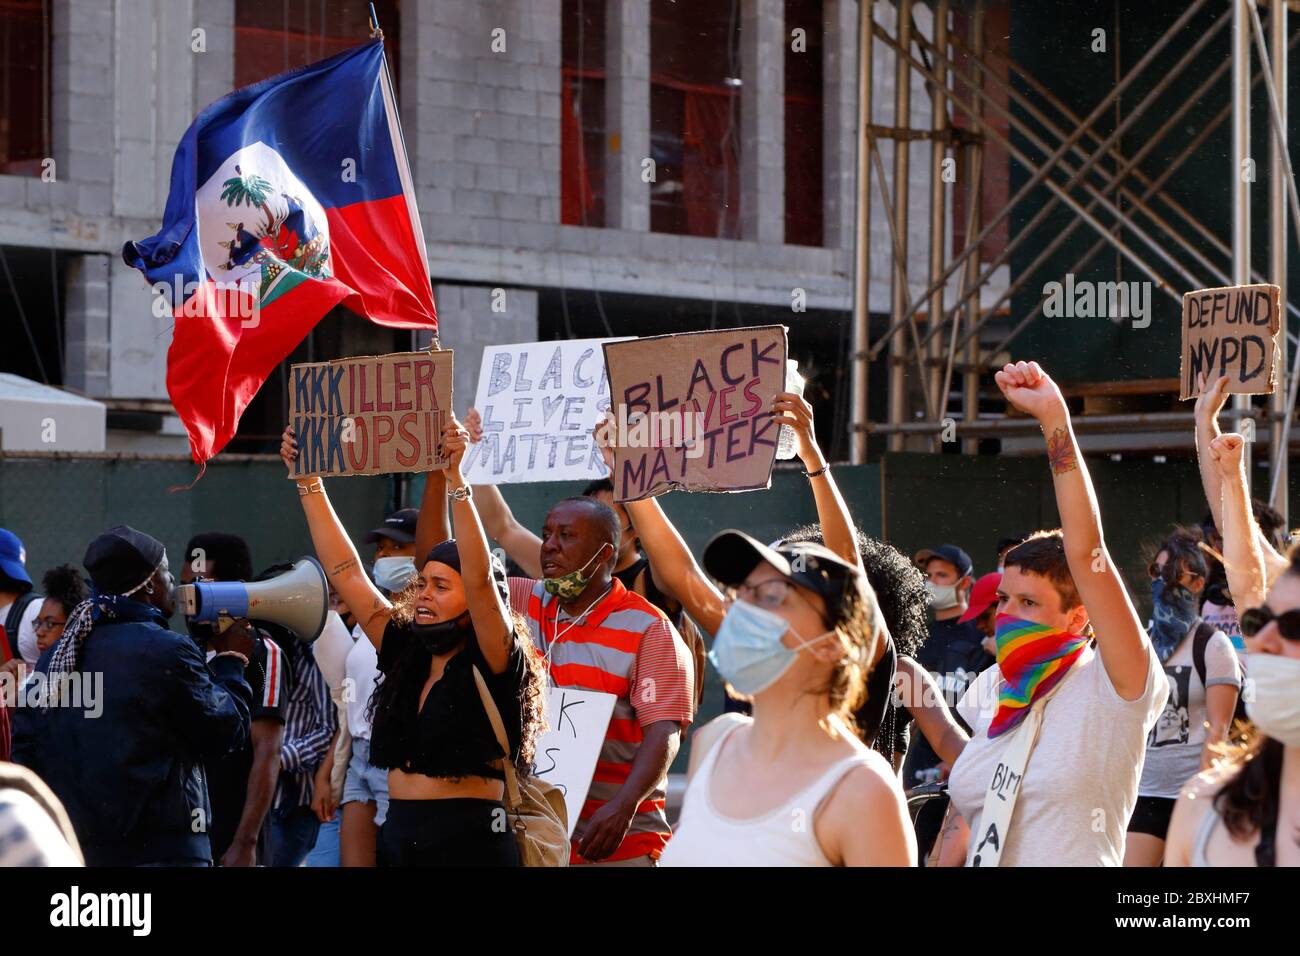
x=450, y=736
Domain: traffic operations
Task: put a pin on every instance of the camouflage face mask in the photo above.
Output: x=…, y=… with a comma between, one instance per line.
x=568, y=586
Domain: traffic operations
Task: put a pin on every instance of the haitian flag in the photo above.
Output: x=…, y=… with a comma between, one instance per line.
x=288, y=197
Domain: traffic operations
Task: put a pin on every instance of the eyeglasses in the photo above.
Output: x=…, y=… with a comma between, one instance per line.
x=767, y=594
x=47, y=624
x=1255, y=619
x=771, y=594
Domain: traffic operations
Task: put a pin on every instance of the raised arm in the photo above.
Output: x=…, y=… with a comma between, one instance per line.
x=335, y=551
x=1209, y=402
x=676, y=572
x=1121, y=639
x=487, y=609
x=1244, y=557
x=432, y=527
x=923, y=699
x=792, y=409
x=524, y=547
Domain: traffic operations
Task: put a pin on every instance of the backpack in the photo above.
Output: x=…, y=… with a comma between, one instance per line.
x=1200, y=641
x=541, y=818
x=14, y=620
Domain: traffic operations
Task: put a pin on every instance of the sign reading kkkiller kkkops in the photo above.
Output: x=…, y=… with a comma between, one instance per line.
x=371, y=415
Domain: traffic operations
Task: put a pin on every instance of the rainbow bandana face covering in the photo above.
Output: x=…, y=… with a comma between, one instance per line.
x=1033, y=658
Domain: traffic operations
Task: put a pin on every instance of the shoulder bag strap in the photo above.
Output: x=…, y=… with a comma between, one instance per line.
x=513, y=799
x=985, y=848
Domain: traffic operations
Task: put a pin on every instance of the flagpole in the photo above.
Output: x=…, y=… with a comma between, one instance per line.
x=390, y=94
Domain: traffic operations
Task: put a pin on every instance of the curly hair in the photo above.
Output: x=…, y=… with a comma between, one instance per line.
x=66, y=585
x=898, y=584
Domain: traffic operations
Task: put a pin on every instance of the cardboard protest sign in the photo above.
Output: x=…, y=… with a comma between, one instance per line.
x=372, y=414
x=694, y=411
x=539, y=402
x=1231, y=331
x=567, y=752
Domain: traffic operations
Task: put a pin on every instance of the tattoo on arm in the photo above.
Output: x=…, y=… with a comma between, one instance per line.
x=345, y=565
x=1060, y=452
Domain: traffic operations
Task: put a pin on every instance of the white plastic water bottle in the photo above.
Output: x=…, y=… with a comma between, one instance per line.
x=785, y=442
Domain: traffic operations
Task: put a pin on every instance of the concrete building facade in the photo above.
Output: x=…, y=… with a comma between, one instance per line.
x=480, y=92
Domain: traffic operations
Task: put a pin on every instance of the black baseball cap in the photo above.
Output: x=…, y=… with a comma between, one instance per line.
x=950, y=553
x=398, y=526
x=731, y=555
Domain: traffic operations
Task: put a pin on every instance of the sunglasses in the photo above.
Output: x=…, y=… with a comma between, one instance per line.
x=1255, y=619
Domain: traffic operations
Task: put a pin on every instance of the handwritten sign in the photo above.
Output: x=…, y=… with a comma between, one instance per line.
x=694, y=411
x=371, y=415
x=1231, y=331
x=567, y=753
x=539, y=402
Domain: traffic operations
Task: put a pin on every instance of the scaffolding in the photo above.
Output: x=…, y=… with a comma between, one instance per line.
x=930, y=342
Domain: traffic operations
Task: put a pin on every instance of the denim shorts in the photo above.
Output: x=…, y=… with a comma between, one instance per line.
x=364, y=783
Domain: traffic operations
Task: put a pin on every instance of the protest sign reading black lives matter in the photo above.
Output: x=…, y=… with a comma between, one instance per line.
x=694, y=411
x=1231, y=331
x=539, y=402
x=371, y=415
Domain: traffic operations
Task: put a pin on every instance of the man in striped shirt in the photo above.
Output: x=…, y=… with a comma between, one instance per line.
x=599, y=636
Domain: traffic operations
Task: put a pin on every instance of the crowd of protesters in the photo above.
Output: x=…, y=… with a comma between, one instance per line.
x=880, y=708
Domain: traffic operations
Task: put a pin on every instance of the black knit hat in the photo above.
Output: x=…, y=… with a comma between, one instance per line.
x=122, y=559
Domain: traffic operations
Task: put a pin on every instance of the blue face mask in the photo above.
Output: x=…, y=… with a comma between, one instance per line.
x=1173, y=612
x=394, y=573
x=748, y=651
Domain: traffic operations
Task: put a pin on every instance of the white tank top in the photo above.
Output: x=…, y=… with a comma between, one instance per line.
x=704, y=836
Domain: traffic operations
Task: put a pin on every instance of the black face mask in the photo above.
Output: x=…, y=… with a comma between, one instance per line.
x=445, y=635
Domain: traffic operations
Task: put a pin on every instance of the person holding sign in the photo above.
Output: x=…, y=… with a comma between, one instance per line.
x=631, y=567
x=1230, y=815
x=804, y=636
x=1034, y=783
x=599, y=636
x=430, y=729
x=793, y=785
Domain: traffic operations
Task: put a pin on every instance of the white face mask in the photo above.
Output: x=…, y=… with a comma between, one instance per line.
x=942, y=596
x=1274, y=701
x=394, y=573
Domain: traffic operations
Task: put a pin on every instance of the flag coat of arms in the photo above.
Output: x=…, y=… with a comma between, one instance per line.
x=287, y=197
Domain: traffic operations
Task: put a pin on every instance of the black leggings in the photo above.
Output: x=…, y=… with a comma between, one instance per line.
x=462, y=831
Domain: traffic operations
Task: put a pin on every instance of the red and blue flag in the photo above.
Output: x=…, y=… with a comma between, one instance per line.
x=288, y=197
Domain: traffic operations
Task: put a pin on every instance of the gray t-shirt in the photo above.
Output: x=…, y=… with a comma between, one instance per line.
x=1081, y=781
x=1174, y=744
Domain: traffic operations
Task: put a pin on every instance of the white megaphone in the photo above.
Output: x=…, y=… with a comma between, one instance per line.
x=297, y=599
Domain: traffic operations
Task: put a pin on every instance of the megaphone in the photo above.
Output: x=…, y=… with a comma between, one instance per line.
x=297, y=599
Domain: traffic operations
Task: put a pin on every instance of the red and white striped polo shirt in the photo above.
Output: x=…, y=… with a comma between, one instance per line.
x=623, y=646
